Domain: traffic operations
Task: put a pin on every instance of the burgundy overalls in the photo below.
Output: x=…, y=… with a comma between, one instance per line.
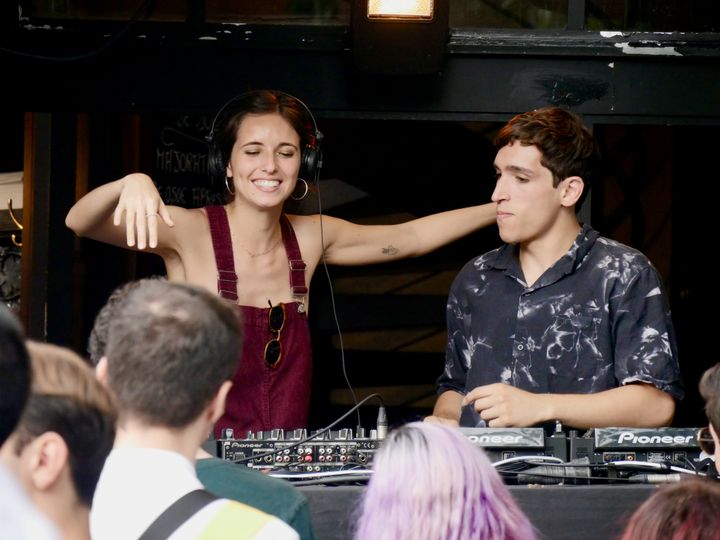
x=263, y=398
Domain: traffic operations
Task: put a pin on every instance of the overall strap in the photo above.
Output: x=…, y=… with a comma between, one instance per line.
x=297, y=265
x=225, y=262
x=177, y=513
x=222, y=247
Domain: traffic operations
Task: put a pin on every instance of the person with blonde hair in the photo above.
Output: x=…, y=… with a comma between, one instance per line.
x=430, y=483
x=64, y=435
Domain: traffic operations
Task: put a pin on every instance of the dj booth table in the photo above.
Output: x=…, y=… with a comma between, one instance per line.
x=558, y=512
x=598, y=511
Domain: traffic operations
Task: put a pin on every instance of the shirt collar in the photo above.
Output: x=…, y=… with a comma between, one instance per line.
x=506, y=258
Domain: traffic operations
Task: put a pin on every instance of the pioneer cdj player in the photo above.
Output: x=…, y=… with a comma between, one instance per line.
x=606, y=452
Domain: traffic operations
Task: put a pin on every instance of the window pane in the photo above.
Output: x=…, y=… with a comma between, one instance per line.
x=280, y=11
x=630, y=15
x=164, y=10
x=255, y=11
x=658, y=16
x=508, y=13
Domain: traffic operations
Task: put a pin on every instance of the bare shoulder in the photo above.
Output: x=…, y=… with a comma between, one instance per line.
x=328, y=234
x=312, y=231
x=190, y=226
x=305, y=227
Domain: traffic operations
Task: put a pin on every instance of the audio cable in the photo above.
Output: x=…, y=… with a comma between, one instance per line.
x=314, y=435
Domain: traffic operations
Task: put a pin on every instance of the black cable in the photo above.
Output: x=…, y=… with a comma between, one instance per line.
x=529, y=471
x=330, y=480
x=332, y=302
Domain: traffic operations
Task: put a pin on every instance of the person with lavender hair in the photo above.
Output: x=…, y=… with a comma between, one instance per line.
x=431, y=483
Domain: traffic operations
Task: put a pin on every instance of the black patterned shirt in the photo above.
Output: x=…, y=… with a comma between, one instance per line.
x=597, y=319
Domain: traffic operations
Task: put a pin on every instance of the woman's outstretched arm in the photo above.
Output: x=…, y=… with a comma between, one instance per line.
x=133, y=200
x=352, y=244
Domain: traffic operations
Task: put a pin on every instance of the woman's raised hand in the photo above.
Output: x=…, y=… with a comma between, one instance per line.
x=142, y=205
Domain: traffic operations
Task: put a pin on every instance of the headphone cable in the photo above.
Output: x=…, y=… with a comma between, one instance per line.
x=332, y=301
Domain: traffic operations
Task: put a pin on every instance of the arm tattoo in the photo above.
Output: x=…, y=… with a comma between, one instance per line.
x=390, y=250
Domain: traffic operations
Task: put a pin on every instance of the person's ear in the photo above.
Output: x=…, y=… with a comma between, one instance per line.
x=101, y=371
x=217, y=405
x=714, y=435
x=571, y=190
x=47, y=456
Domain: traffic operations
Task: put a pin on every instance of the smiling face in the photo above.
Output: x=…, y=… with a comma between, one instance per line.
x=528, y=205
x=265, y=159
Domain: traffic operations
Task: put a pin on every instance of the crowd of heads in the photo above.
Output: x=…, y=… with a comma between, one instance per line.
x=167, y=344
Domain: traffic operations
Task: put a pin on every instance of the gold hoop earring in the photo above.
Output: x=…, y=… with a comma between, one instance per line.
x=227, y=186
x=307, y=188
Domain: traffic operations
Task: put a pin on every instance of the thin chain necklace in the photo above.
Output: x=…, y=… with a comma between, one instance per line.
x=272, y=248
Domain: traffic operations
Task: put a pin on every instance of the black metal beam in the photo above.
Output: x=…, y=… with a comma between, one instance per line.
x=576, y=15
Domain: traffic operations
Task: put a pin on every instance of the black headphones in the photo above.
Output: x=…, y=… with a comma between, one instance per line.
x=310, y=155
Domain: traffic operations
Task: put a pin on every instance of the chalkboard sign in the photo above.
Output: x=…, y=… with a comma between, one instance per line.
x=175, y=155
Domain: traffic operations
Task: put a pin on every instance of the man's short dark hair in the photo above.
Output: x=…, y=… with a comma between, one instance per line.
x=170, y=348
x=567, y=146
x=14, y=372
